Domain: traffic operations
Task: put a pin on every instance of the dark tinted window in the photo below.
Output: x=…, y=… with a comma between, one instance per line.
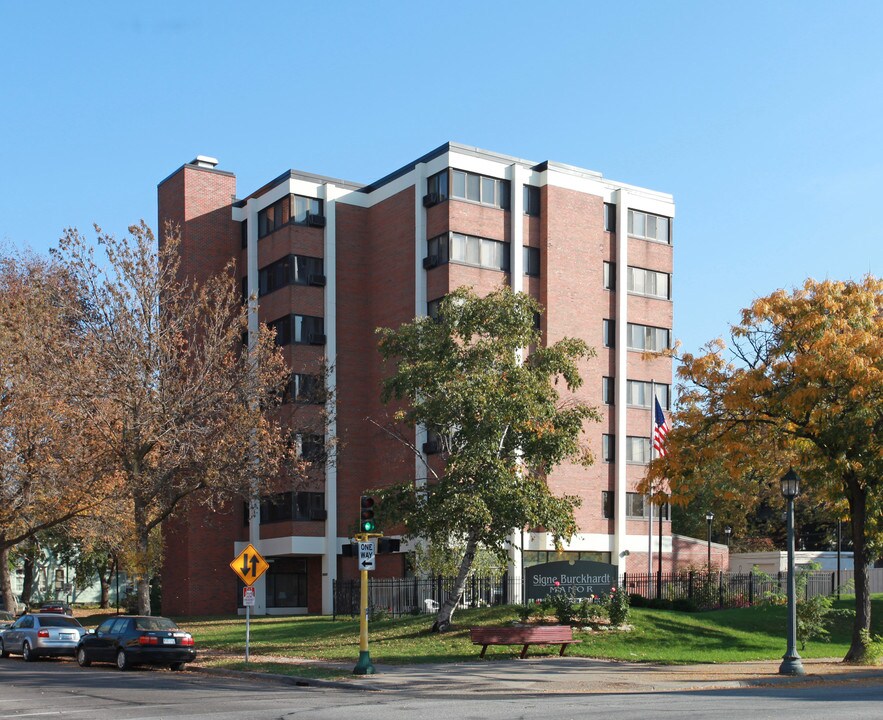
x=154, y=623
x=59, y=622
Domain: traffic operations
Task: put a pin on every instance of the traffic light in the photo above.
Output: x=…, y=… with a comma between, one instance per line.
x=367, y=523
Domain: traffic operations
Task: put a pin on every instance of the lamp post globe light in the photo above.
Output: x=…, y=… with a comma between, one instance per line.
x=728, y=531
x=791, y=663
x=709, y=516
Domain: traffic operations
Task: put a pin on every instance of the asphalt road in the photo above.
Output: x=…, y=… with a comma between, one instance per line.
x=58, y=688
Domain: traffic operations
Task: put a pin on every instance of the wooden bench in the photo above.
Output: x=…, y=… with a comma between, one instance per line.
x=526, y=636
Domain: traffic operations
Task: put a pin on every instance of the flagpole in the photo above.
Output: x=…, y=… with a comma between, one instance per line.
x=650, y=490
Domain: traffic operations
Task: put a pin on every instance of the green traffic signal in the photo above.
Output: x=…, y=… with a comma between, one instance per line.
x=367, y=524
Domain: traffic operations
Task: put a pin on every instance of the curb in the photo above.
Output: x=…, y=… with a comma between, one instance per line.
x=297, y=680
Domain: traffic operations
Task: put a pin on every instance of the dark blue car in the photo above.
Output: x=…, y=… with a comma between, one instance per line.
x=134, y=640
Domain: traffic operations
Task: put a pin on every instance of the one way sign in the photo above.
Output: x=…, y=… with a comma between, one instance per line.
x=366, y=556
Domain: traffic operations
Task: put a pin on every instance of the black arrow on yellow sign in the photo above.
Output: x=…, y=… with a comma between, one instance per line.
x=249, y=565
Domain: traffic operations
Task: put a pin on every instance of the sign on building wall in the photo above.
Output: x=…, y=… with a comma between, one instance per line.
x=581, y=577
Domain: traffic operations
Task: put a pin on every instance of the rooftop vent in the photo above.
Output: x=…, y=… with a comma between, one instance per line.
x=204, y=161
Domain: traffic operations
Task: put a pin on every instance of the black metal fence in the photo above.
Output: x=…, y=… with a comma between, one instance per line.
x=703, y=590
x=395, y=597
x=412, y=596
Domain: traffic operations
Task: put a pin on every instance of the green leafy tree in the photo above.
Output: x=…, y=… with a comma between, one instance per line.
x=504, y=424
x=804, y=387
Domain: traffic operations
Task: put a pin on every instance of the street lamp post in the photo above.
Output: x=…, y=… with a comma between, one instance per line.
x=728, y=531
x=791, y=664
x=709, y=516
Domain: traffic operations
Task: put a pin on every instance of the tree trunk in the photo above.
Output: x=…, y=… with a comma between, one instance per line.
x=6, y=581
x=862, y=625
x=143, y=582
x=446, y=611
x=27, y=585
x=105, y=574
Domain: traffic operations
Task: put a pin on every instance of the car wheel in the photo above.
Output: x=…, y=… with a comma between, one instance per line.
x=122, y=660
x=83, y=659
x=177, y=667
x=27, y=654
x=4, y=653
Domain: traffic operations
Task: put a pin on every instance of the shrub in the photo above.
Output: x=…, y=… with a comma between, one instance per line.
x=542, y=609
x=684, y=605
x=561, y=602
x=873, y=648
x=525, y=610
x=618, y=606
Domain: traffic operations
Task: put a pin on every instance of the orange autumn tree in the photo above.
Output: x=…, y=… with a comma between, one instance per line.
x=804, y=388
x=176, y=402
x=48, y=471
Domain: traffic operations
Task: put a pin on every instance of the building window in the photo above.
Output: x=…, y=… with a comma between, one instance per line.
x=291, y=506
x=649, y=227
x=531, y=200
x=607, y=504
x=480, y=188
x=650, y=283
x=610, y=217
x=607, y=390
x=436, y=188
x=437, y=251
x=609, y=332
x=273, y=217
x=636, y=506
x=244, y=230
x=305, y=389
x=637, y=450
x=291, y=270
x=432, y=308
x=294, y=208
x=299, y=329
x=532, y=261
x=468, y=250
x=311, y=447
x=609, y=276
x=303, y=206
x=287, y=583
x=638, y=394
x=607, y=448
x=647, y=338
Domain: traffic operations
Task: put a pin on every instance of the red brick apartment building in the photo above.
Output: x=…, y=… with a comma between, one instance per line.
x=330, y=261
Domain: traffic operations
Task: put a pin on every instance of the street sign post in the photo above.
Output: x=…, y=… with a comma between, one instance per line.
x=367, y=558
x=249, y=566
x=367, y=552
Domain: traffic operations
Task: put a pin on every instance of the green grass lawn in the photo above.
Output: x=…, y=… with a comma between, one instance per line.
x=657, y=636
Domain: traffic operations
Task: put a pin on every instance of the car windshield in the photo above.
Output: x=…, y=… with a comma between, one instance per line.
x=59, y=622
x=154, y=623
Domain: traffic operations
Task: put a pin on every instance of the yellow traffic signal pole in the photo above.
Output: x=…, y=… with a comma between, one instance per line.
x=364, y=666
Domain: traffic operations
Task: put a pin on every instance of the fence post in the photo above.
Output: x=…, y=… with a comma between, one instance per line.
x=720, y=602
x=438, y=590
x=505, y=589
x=750, y=589
x=690, y=585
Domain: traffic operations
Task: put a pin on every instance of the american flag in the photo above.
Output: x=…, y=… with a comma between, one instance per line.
x=660, y=429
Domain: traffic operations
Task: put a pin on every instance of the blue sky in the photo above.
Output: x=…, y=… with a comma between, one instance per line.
x=762, y=119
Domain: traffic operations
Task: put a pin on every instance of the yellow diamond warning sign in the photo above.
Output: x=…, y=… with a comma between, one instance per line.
x=249, y=565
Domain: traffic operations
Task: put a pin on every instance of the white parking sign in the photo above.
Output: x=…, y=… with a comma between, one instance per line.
x=366, y=556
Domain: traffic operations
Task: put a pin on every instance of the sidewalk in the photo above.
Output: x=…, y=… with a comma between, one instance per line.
x=564, y=675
